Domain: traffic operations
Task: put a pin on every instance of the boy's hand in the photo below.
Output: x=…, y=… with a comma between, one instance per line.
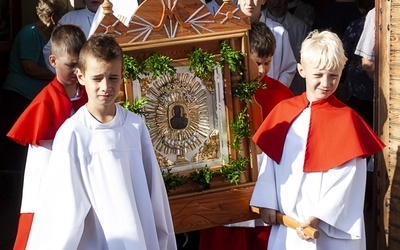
x=268, y=215
x=312, y=222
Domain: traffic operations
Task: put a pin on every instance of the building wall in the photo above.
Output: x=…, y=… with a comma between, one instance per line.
x=388, y=123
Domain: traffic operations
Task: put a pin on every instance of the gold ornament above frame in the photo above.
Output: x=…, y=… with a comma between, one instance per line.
x=186, y=119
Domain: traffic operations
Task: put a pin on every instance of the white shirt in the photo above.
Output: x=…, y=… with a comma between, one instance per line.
x=366, y=45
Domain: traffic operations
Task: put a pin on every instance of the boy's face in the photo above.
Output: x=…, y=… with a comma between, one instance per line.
x=320, y=82
x=65, y=65
x=93, y=5
x=251, y=8
x=102, y=81
x=263, y=63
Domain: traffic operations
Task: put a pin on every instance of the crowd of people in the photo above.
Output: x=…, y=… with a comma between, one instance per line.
x=62, y=130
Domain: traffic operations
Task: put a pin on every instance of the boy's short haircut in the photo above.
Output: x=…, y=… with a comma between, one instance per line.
x=262, y=40
x=323, y=49
x=67, y=38
x=103, y=47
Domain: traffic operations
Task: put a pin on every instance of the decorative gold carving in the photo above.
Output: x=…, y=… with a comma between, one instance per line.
x=210, y=86
x=177, y=108
x=210, y=149
x=144, y=84
x=163, y=161
x=107, y=7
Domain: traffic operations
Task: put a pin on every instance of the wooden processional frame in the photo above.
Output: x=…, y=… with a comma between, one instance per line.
x=189, y=120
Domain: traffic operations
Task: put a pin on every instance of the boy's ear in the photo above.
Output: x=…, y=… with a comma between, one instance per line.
x=80, y=76
x=123, y=73
x=52, y=60
x=300, y=68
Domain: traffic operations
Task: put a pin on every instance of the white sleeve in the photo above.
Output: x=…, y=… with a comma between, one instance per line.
x=158, y=194
x=264, y=194
x=342, y=199
x=63, y=203
x=366, y=45
x=36, y=163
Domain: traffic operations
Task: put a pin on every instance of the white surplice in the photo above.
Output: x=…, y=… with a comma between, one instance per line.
x=36, y=163
x=335, y=196
x=103, y=188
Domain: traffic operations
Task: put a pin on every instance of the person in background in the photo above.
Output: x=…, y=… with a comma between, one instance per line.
x=214, y=5
x=27, y=76
x=336, y=16
x=283, y=67
x=361, y=88
x=82, y=18
x=316, y=147
x=251, y=235
x=366, y=45
x=103, y=176
x=360, y=85
x=40, y=121
x=302, y=10
x=276, y=10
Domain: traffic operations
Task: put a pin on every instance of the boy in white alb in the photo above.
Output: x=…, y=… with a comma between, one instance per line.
x=314, y=170
x=103, y=188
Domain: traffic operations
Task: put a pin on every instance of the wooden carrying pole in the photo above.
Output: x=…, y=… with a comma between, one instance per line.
x=291, y=223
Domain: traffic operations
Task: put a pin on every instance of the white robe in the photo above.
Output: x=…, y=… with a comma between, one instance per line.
x=335, y=196
x=36, y=163
x=103, y=189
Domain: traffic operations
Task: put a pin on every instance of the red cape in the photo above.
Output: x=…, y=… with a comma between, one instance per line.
x=336, y=135
x=273, y=94
x=45, y=114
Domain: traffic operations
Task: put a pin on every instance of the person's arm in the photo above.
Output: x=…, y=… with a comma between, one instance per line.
x=32, y=69
x=368, y=66
x=366, y=45
x=268, y=215
x=30, y=54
